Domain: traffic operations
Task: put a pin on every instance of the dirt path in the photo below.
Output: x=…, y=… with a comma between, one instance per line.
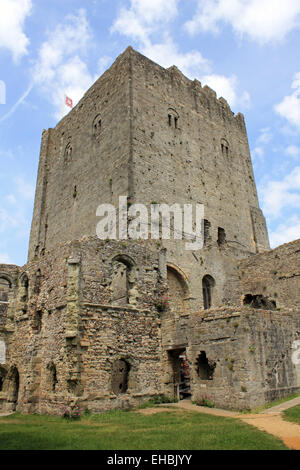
x=274, y=424
x=269, y=420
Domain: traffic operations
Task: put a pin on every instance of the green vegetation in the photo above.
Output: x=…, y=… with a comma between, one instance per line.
x=157, y=400
x=292, y=414
x=274, y=403
x=120, y=430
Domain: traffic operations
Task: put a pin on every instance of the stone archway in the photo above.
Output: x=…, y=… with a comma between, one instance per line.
x=208, y=284
x=177, y=288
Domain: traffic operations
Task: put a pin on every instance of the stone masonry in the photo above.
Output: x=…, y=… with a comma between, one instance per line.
x=112, y=323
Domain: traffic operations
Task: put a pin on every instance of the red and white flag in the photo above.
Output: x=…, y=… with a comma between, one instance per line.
x=69, y=102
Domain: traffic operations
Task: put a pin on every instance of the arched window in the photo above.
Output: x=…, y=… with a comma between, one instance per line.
x=24, y=287
x=5, y=288
x=177, y=288
x=225, y=147
x=173, y=118
x=97, y=125
x=208, y=284
x=68, y=153
x=120, y=376
x=122, y=279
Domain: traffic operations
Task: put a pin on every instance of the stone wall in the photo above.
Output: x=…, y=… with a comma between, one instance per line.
x=273, y=276
x=83, y=162
x=250, y=354
x=66, y=332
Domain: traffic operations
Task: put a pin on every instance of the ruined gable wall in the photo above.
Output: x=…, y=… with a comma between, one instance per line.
x=274, y=275
x=82, y=166
x=252, y=351
x=70, y=321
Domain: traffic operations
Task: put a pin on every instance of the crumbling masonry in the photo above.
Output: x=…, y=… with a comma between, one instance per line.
x=110, y=323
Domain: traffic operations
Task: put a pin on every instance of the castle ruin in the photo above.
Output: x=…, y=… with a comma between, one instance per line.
x=111, y=323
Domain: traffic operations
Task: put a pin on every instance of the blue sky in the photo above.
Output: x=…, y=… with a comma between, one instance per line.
x=247, y=50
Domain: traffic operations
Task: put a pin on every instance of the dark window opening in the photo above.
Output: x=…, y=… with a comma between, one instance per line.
x=52, y=377
x=24, y=288
x=37, y=287
x=207, y=288
x=120, y=376
x=170, y=119
x=68, y=153
x=207, y=236
x=225, y=147
x=2, y=377
x=221, y=236
x=176, y=122
x=74, y=388
x=97, y=124
x=205, y=367
x=37, y=325
x=259, y=302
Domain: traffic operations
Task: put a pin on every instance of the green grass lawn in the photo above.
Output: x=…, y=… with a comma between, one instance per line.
x=292, y=414
x=120, y=430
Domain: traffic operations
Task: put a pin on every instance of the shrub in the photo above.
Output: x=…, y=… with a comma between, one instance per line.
x=71, y=411
x=205, y=401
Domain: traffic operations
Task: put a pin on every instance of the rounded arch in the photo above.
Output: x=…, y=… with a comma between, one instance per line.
x=97, y=124
x=123, y=278
x=173, y=117
x=225, y=147
x=24, y=287
x=208, y=284
x=125, y=259
x=7, y=278
x=24, y=280
x=68, y=152
x=177, y=287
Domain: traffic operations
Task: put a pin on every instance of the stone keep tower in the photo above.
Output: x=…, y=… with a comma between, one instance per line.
x=153, y=135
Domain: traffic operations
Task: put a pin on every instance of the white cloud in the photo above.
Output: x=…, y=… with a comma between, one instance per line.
x=262, y=20
x=60, y=69
x=228, y=88
x=265, y=136
x=191, y=63
x=12, y=18
x=293, y=151
x=289, y=108
x=144, y=17
x=281, y=194
x=286, y=232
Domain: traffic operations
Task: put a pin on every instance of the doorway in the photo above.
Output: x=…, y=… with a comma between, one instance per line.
x=181, y=373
